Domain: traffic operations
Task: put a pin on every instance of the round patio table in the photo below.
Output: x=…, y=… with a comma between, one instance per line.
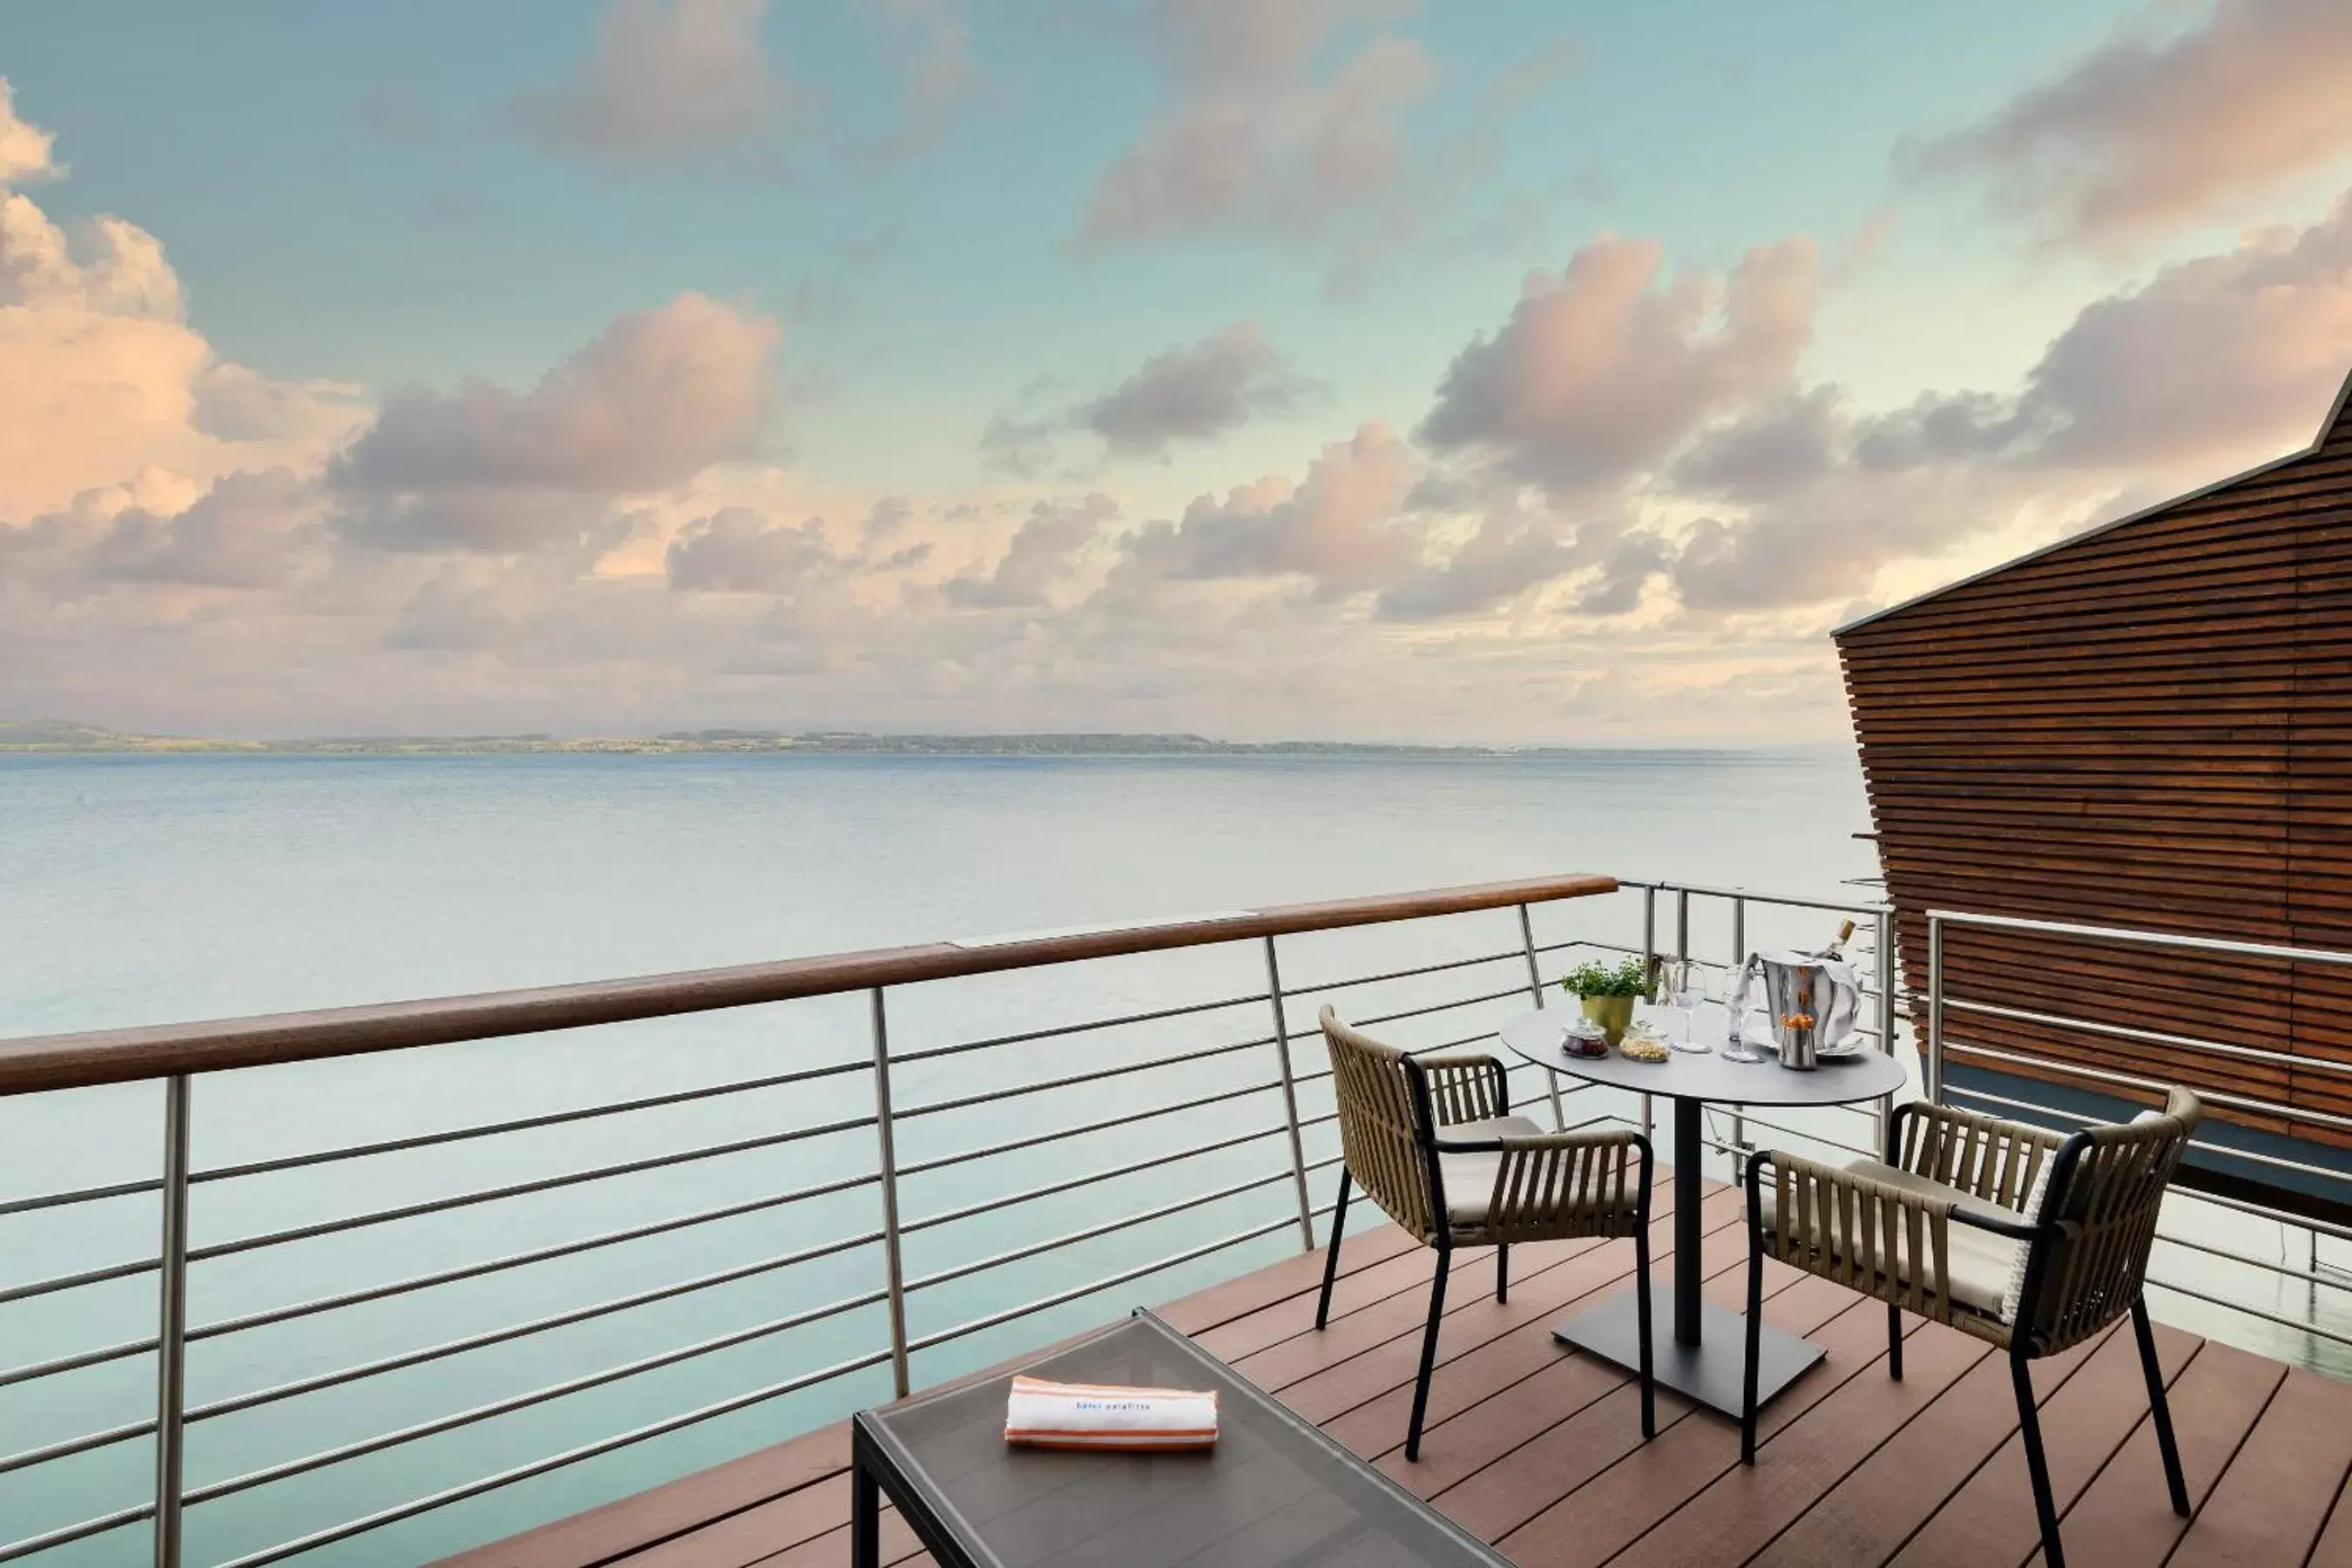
x=1697, y=1348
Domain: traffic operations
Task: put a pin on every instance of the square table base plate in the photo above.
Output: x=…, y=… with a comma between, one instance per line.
x=1709, y=1371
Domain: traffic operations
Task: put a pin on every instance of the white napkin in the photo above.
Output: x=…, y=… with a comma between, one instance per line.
x=1042, y=1415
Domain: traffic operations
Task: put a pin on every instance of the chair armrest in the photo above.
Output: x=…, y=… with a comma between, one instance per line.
x=1465, y=1088
x=1848, y=1226
x=1545, y=1175
x=1986, y=1157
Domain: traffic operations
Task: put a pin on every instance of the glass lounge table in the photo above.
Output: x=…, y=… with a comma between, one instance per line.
x=1698, y=1346
x=1274, y=1491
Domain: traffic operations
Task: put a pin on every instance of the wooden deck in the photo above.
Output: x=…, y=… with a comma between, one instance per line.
x=1538, y=1449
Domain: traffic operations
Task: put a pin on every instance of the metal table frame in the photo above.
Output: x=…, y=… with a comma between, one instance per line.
x=1698, y=1350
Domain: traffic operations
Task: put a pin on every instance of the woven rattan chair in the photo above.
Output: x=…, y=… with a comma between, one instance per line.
x=2029, y=1239
x=1432, y=1141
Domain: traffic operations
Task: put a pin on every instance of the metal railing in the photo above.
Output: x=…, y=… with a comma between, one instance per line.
x=1941, y=1045
x=1296, y=1138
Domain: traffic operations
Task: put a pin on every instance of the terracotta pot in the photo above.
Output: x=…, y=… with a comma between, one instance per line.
x=1614, y=1014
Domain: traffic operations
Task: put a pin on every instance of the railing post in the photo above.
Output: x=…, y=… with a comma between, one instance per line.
x=1731, y=1007
x=888, y=1154
x=1884, y=936
x=1649, y=960
x=1935, y=1054
x=172, y=1325
x=1536, y=990
x=1290, y=1098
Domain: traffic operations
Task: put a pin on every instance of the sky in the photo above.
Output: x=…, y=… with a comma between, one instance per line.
x=1515, y=374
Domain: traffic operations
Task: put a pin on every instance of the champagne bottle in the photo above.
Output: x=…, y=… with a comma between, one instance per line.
x=1836, y=949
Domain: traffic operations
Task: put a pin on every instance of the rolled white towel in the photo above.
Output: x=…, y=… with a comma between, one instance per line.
x=1041, y=1415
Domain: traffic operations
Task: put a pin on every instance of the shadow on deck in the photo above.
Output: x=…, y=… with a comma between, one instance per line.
x=1536, y=1447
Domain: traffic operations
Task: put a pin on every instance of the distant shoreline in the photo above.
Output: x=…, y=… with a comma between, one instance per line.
x=39, y=738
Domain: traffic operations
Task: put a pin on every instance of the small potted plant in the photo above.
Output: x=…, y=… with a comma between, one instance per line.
x=1609, y=990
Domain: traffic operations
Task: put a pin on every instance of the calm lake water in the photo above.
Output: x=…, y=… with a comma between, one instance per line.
x=144, y=890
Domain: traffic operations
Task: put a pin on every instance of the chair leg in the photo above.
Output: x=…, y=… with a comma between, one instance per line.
x=1642, y=1307
x=2029, y=1426
x=1332, y=1252
x=1755, y=1347
x=2160, y=1407
x=1895, y=1342
x=1502, y=1271
x=1428, y=1353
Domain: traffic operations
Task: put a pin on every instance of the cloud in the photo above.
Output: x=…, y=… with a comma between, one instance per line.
x=1604, y=368
x=100, y=376
x=737, y=551
x=664, y=78
x=658, y=397
x=1509, y=555
x=1248, y=138
x=1195, y=393
x=1778, y=447
x=249, y=530
x=2148, y=131
x=2213, y=359
x=1338, y=527
x=24, y=148
x=1046, y=553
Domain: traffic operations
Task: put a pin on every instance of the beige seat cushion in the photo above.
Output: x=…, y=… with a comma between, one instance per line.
x=1977, y=1261
x=1470, y=1178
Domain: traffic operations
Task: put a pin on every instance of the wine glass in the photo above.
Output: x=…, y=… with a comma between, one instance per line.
x=1692, y=982
x=1736, y=1047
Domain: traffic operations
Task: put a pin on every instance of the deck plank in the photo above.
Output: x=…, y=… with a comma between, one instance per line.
x=2269, y=1507
x=2125, y=1516
x=1643, y=1483
x=1868, y=1516
x=1746, y=1506
x=1536, y=1446
x=2084, y=1419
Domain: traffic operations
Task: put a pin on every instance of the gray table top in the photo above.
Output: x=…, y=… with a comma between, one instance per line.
x=1690, y=1075
x=1274, y=1493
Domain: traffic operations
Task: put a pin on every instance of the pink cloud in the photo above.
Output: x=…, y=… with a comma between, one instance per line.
x=659, y=396
x=1248, y=139
x=1603, y=369
x=2147, y=131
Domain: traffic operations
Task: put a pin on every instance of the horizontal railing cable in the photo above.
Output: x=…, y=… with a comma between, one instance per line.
x=2134, y=1080
x=2152, y=1037
x=524, y=1472
x=519, y=1189
x=962, y=1156
x=66, y=1447
x=990, y=1206
x=269, y=1316
x=434, y=1426
x=2267, y=1266
x=521, y=1123
x=2300, y=1325
x=1038, y=1085
x=85, y=1195
x=512, y=1331
x=1071, y=1239
x=1452, y=963
x=70, y=1533
x=520, y=1259
x=98, y=1276
x=1125, y=1276
x=1056, y=1031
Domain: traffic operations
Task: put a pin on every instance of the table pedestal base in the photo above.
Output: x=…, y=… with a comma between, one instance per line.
x=1708, y=1373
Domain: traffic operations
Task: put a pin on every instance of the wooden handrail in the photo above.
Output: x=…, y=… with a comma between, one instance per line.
x=41, y=1062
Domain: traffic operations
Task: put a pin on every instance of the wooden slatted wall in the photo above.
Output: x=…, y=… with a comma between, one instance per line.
x=2149, y=726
